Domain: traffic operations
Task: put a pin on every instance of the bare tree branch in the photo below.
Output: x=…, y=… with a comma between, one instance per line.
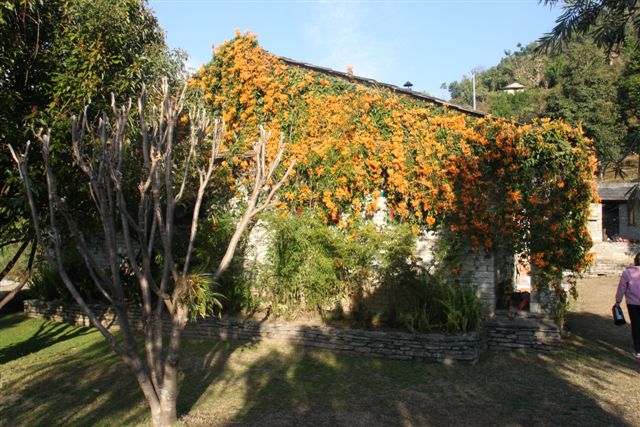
x=101, y=153
x=25, y=279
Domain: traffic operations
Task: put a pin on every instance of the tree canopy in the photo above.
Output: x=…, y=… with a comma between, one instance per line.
x=608, y=21
x=58, y=56
x=578, y=84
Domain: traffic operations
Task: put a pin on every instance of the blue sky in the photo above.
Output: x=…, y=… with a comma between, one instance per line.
x=427, y=42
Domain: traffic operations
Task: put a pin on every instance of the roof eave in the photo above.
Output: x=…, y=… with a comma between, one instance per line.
x=393, y=88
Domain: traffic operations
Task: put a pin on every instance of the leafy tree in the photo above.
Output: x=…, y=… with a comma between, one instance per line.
x=613, y=25
x=629, y=101
x=523, y=66
x=577, y=84
x=56, y=57
x=587, y=95
x=606, y=20
x=515, y=105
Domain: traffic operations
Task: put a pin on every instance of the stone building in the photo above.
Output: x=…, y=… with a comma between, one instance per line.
x=614, y=228
x=513, y=88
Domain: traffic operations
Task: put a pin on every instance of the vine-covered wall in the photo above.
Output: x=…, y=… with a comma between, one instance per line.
x=486, y=181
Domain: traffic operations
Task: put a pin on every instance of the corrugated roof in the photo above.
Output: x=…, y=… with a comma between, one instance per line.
x=614, y=191
x=375, y=83
x=514, y=85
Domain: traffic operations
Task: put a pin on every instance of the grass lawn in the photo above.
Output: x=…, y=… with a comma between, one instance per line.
x=55, y=374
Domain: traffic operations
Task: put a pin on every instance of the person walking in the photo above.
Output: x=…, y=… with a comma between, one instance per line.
x=629, y=288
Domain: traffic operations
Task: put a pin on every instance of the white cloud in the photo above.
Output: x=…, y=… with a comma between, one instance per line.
x=339, y=29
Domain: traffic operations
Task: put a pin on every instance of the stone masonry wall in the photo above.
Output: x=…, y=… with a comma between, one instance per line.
x=529, y=332
x=501, y=335
x=465, y=348
x=611, y=258
x=480, y=271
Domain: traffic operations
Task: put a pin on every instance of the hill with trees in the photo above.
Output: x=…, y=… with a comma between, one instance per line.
x=580, y=83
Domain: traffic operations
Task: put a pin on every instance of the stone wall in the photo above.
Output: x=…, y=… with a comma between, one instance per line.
x=595, y=222
x=465, y=348
x=627, y=231
x=531, y=335
x=479, y=270
x=529, y=332
x=611, y=258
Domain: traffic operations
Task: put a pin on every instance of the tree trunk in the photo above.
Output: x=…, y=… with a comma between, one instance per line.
x=157, y=420
x=231, y=248
x=169, y=390
x=167, y=416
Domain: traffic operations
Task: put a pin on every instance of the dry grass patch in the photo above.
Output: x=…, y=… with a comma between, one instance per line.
x=55, y=374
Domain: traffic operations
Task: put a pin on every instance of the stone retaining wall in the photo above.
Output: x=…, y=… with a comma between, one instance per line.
x=464, y=348
x=611, y=258
x=529, y=332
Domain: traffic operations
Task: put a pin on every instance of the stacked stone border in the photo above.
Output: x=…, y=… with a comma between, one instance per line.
x=500, y=333
x=530, y=332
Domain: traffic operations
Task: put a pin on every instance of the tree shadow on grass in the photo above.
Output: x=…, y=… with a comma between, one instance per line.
x=47, y=334
x=202, y=364
x=79, y=383
x=284, y=385
x=9, y=320
x=311, y=387
x=83, y=383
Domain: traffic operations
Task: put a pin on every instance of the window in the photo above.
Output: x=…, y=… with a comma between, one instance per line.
x=632, y=214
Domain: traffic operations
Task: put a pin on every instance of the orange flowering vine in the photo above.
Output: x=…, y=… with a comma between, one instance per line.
x=488, y=181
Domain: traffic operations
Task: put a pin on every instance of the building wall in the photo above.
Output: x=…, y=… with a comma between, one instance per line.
x=612, y=257
x=595, y=222
x=631, y=232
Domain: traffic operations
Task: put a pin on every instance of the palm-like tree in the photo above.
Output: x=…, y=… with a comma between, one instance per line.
x=609, y=23
x=606, y=20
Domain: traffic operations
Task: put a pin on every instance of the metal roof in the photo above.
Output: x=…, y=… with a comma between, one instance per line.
x=614, y=191
x=370, y=82
x=514, y=85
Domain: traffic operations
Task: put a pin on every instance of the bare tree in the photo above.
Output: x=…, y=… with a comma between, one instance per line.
x=165, y=295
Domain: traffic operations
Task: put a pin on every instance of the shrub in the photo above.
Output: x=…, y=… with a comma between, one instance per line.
x=47, y=285
x=441, y=306
x=312, y=266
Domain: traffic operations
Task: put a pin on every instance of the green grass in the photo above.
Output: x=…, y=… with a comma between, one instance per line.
x=53, y=374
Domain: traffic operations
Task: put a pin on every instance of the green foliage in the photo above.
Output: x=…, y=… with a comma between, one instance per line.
x=587, y=95
x=314, y=266
x=629, y=97
x=607, y=21
x=58, y=56
x=200, y=297
x=577, y=84
x=47, y=285
x=520, y=105
x=437, y=298
x=442, y=306
x=210, y=246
